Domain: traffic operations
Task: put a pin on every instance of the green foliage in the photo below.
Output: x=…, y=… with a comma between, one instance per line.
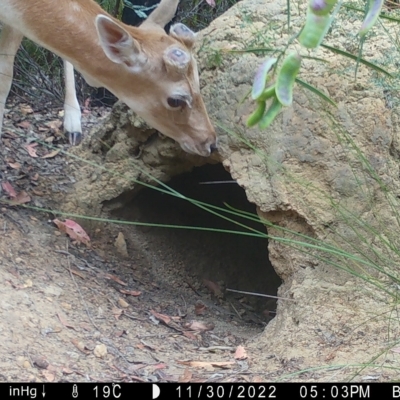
x=319, y=17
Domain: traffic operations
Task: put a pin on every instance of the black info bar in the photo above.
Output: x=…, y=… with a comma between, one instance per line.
x=188, y=391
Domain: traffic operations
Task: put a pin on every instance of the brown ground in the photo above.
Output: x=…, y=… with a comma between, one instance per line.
x=76, y=313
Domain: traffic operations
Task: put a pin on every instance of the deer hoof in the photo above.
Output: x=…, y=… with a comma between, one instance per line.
x=75, y=138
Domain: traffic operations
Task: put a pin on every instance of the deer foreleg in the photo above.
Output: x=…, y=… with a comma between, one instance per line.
x=72, y=110
x=10, y=40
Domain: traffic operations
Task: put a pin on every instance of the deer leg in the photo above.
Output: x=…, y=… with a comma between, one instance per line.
x=10, y=40
x=72, y=110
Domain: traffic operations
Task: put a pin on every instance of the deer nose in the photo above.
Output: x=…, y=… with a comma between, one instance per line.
x=213, y=147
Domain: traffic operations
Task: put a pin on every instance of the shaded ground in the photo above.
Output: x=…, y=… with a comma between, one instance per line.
x=72, y=313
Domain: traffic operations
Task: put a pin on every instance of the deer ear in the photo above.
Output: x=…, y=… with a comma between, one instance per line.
x=182, y=33
x=118, y=45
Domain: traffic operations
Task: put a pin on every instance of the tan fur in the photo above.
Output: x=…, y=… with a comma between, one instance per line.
x=67, y=28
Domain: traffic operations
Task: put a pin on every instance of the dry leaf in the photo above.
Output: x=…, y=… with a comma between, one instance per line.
x=24, y=124
x=240, y=353
x=50, y=377
x=54, y=125
x=120, y=245
x=115, y=279
x=73, y=230
x=85, y=326
x=25, y=109
x=31, y=149
x=162, y=317
x=80, y=346
x=17, y=286
x=213, y=287
x=80, y=233
x=52, y=154
x=136, y=367
x=208, y=365
x=67, y=371
x=35, y=177
x=117, y=312
x=11, y=134
x=330, y=356
x=186, y=377
x=21, y=198
x=120, y=333
x=199, y=326
x=9, y=189
x=77, y=273
x=189, y=335
x=65, y=322
x=15, y=165
x=130, y=292
x=146, y=345
x=38, y=192
x=160, y=366
x=200, y=308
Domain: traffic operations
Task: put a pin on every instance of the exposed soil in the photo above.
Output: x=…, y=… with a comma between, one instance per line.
x=155, y=310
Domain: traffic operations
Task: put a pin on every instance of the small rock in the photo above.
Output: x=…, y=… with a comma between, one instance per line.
x=41, y=362
x=66, y=306
x=100, y=350
x=97, y=334
x=90, y=345
x=20, y=361
x=120, y=245
x=28, y=283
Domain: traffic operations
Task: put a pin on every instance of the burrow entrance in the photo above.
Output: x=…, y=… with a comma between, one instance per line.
x=234, y=261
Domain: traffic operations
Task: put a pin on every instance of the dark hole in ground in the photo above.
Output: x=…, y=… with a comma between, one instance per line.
x=241, y=262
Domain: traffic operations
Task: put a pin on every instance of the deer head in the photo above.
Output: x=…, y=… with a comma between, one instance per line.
x=161, y=72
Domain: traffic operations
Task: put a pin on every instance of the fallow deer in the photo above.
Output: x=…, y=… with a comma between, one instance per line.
x=155, y=74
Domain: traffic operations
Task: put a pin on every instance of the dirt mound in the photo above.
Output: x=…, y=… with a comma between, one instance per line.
x=324, y=178
x=313, y=174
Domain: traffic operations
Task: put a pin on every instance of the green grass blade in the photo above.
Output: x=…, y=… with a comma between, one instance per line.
x=355, y=58
x=316, y=91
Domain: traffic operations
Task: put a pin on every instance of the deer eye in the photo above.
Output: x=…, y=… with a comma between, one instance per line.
x=175, y=103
